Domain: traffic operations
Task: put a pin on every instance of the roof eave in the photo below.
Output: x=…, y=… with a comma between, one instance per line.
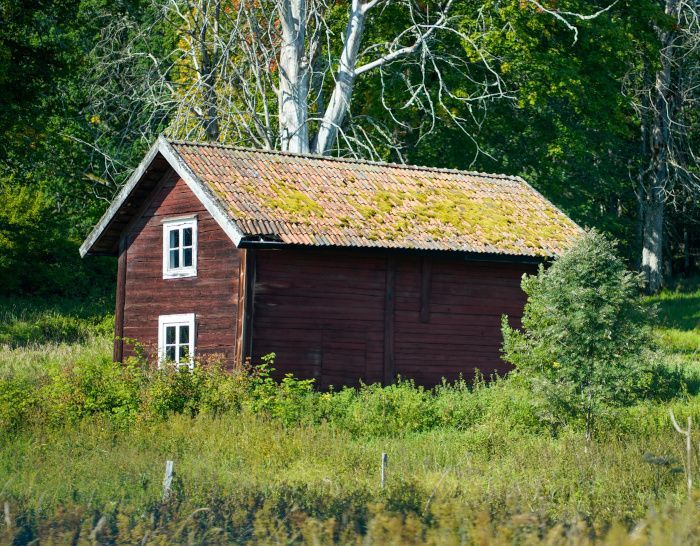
x=119, y=200
x=202, y=192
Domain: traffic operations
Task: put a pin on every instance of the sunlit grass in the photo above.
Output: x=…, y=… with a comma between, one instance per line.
x=678, y=328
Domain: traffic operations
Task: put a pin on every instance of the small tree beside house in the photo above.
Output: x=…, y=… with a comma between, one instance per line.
x=585, y=342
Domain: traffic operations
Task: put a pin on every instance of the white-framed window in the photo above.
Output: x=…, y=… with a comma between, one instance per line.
x=176, y=335
x=180, y=248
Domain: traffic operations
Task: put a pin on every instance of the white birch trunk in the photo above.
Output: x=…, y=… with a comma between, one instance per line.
x=294, y=78
x=653, y=236
x=339, y=102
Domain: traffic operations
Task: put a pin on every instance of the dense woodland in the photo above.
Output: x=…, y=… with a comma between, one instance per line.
x=595, y=107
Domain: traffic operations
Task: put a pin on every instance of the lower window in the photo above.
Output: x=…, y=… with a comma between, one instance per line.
x=176, y=339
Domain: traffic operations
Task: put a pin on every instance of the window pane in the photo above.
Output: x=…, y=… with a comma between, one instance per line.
x=170, y=353
x=174, y=238
x=169, y=335
x=184, y=334
x=184, y=353
x=174, y=259
x=187, y=236
x=187, y=257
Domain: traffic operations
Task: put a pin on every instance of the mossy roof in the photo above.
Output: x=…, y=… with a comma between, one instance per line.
x=321, y=201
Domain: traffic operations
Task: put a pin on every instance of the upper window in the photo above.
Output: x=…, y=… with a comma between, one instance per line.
x=180, y=248
x=176, y=339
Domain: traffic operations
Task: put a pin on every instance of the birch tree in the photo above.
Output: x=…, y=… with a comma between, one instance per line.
x=280, y=74
x=666, y=99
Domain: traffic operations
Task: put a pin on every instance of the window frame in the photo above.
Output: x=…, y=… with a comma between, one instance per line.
x=179, y=224
x=185, y=319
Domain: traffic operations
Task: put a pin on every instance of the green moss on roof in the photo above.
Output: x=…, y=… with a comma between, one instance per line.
x=451, y=211
x=288, y=200
x=294, y=202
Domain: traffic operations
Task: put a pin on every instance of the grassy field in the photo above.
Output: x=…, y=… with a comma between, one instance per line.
x=480, y=471
x=678, y=330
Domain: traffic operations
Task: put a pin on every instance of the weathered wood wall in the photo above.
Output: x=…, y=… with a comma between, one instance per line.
x=341, y=317
x=212, y=295
x=321, y=314
x=463, y=328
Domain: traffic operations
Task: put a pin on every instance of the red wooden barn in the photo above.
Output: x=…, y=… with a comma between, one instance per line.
x=348, y=270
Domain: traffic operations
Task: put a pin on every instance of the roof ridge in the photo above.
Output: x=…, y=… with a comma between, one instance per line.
x=346, y=160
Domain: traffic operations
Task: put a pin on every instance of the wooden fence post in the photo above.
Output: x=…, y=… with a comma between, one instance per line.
x=688, y=448
x=385, y=460
x=168, y=479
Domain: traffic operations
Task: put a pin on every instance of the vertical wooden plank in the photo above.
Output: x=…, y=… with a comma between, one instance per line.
x=120, y=300
x=389, y=300
x=425, y=282
x=248, y=304
x=238, y=351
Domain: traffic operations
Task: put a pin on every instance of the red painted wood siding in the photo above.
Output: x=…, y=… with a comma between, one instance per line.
x=463, y=331
x=212, y=295
x=323, y=313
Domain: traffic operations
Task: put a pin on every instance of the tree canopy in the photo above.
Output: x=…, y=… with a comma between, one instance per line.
x=560, y=92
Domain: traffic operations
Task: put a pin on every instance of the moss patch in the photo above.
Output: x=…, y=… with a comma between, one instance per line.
x=295, y=205
x=451, y=211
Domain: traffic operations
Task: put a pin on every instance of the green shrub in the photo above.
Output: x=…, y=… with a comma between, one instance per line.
x=502, y=403
x=375, y=410
x=290, y=400
x=18, y=402
x=222, y=390
x=585, y=335
x=90, y=387
x=172, y=389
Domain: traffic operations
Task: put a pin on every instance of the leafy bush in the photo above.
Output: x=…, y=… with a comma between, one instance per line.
x=17, y=403
x=376, y=410
x=585, y=343
x=90, y=387
x=290, y=400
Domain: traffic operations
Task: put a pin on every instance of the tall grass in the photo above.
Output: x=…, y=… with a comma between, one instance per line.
x=284, y=464
x=31, y=321
x=276, y=479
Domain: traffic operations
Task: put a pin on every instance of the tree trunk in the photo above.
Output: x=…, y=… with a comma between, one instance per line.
x=294, y=78
x=658, y=182
x=652, y=248
x=339, y=102
x=206, y=39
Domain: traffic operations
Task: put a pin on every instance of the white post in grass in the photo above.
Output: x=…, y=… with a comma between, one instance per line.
x=688, y=449
x=8, y=516
x=385, y=460
x=168, y=480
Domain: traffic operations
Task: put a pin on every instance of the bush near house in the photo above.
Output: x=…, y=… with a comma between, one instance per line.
x=586, y=341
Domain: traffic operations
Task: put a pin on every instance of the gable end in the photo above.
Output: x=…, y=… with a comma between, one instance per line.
x=104, y=238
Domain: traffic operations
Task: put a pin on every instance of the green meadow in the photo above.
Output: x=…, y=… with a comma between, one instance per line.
x=85, y=444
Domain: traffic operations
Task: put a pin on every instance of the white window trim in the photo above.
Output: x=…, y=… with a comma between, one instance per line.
x=179, y=223
x=187, y=319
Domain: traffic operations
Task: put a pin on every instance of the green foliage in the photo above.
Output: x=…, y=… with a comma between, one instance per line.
x=89, y=388
x=585, y=338
x=17, y=403
x=25, y=321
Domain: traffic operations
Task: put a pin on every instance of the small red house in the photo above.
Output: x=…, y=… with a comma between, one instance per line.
x=348, y=270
